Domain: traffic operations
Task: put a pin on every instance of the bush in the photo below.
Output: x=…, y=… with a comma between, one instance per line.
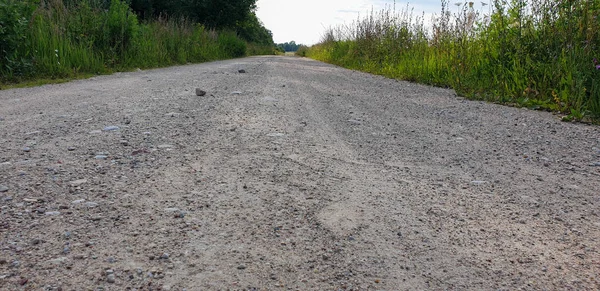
x=302, y=51
x=231, y=45
x=14, y=21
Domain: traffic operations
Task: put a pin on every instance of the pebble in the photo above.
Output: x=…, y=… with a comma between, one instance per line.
x=110, y=278
x=70, y=149
x=52, y=213
x=111, y=128
x=270, y=99
x=200, y=92
x=91, y=204
x=241, y=267
x=275, y=134
x=100, y=157
x=3, y=188
x=110, y=260
x=172, y=209
x=242, y=71
x=78, y=201
x=26, y=149
x=58, y=260
x=596, y=164
x=78, y=182
x=236, y=93
x=164, y=256
x=477, y=183
x=355, y=122
x=165, y=146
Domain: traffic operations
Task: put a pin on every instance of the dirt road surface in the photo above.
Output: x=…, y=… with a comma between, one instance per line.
x=295, y=175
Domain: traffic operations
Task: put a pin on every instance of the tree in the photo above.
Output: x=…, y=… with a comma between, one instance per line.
x=289, y=46
x=211, y=13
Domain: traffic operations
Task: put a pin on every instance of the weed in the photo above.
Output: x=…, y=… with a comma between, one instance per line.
x=534, y=53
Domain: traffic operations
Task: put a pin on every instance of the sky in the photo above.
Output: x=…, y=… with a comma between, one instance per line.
x=305, y=21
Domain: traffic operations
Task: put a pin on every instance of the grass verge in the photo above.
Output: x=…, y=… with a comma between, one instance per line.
x=55, y=40
x=532, y=53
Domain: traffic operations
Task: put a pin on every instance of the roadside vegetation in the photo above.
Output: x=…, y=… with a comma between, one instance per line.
x=539, y=54
x=62, y=39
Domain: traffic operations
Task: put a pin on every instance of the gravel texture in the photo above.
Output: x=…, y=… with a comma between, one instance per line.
x=295, y=175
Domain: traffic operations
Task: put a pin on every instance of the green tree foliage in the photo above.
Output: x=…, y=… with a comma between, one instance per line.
x=211, y=13
x=236, y=15
x=291, y=46
x=14, y=21
x=252, y=30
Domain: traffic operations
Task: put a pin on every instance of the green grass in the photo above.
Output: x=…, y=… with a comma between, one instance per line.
x=49, y=40
x=537, y=53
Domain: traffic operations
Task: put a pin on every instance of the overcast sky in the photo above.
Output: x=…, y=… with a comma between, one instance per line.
x=304, y=21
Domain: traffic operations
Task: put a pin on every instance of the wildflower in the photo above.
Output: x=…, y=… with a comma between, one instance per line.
x=596, y=64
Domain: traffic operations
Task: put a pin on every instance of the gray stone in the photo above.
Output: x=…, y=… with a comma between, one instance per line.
x=3, y=188
x=242, y=71
x=110, y=278
x=91, y=204
x=58, y=261
x=111, y=128
x=52, y=213
x=100, y=157
x=200, y=92
x=78, y=182
x=26, y=149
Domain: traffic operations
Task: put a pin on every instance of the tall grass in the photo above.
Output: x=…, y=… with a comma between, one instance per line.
x=534, y=53
x=64, y=38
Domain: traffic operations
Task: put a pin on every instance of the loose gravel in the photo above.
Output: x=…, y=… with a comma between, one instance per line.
x=290, y=175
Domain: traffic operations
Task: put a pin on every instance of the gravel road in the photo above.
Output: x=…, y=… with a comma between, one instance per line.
x=295, y=175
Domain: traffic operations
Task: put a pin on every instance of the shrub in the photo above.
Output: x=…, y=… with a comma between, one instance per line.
x=14, y=21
